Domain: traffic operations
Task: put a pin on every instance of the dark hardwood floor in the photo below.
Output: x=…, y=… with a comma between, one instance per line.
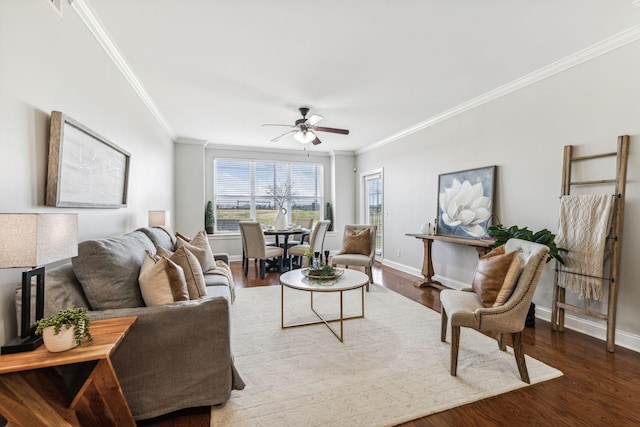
x=598, y=388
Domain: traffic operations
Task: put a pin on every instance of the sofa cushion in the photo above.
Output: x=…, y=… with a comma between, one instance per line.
x=160, y=236
x=192, y=270
x=108, y=270
x=199, y=246
x=162, y=281
x=496, y=276
x=357, y=243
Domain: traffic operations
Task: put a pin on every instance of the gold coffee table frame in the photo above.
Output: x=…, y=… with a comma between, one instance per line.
x=350, y=280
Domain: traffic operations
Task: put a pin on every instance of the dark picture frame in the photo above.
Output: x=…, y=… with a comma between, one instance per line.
x=465, y=202
x=85, y=169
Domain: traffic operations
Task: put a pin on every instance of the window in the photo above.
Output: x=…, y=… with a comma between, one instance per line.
x=242, y=191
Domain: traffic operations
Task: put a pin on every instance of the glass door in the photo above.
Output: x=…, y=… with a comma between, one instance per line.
x=373, y=207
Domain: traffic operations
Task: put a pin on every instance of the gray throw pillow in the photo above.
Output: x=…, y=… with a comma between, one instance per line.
x=108, y=270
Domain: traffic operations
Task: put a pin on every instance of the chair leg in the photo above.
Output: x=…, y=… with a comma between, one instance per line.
x=519, y=353
x=280, y=264
x=455, y=345
x=370, y=274
x=443, y=325
x=501, y=344
x=263, y=268
x=246, y=267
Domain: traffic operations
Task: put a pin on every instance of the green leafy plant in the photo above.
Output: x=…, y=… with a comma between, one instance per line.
x=328, y=215
x=70, y=317
x=544, y=237
x=309, y=255
x=209, y=220
x=322, y=272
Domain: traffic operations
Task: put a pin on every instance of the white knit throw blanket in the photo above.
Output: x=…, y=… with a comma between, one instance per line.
x=584, y=224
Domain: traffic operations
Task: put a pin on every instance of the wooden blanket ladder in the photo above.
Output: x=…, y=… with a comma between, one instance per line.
x=559, y=304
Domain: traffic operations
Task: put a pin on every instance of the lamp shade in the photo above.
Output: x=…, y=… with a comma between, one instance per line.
x=33, y=239
x=159, y=218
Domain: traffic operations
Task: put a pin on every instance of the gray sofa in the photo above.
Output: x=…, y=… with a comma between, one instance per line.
x=176, y=356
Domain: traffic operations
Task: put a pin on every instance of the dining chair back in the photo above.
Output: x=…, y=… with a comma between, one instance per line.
x=254, y=246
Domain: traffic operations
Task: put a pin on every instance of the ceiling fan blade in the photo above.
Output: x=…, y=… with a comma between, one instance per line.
x=316, y=141
x=272, y=124
x=315, y=118
x=283, y=135
x=332, y=130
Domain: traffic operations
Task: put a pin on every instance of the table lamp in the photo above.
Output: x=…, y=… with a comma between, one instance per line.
x=159, y=219
x=31, y=240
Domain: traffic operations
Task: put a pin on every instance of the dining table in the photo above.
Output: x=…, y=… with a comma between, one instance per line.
x=286, y=233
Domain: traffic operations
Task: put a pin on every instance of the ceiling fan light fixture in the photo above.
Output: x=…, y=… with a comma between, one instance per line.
x=304, y=136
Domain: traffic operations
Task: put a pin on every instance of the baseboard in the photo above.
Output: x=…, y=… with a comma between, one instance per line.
x=402, y=267
x=593, y=329
x=451, y=283
x=584, y=326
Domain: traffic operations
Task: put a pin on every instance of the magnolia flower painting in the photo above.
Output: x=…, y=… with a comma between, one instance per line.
x=465, y=202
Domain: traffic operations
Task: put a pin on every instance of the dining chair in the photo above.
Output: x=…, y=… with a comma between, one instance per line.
x=254, y=246
x=358, y=248
x=466, y=307
x=301, y=239
x=316, y=243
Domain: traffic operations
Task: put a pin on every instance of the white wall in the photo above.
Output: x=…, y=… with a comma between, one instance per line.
x=52, y=63
x=189, y=186
x=523, y=133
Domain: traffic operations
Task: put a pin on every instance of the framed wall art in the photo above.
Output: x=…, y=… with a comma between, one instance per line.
x=465, y=202
x=85, y=169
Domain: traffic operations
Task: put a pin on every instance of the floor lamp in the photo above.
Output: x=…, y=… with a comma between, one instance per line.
x=31, y=241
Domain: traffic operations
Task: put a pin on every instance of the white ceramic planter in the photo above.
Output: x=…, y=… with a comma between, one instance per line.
x=64, y=340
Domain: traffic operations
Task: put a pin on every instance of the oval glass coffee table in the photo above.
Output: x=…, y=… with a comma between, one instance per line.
x=348, y=281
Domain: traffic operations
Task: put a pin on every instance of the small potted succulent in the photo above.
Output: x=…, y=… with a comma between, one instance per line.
x=65, y=329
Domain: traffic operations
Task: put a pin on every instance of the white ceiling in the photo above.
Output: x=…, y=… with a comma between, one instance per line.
x=217, y=70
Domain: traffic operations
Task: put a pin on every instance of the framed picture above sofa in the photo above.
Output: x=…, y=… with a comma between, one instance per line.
x=465, y=202
x=85, y=169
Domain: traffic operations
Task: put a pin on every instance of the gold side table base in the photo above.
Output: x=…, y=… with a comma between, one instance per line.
x=341, y=319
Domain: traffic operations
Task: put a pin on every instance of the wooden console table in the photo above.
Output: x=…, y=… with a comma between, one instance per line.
x=481, y=245
x=30, y=388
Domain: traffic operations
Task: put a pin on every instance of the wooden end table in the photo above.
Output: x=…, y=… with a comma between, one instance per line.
x=482, y=246
x=30, y=392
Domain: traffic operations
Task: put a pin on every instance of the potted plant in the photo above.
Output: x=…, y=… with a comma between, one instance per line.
x=544, y=237
x=65, y=329
x=209, y=220
x=328, y=215
x=282, y=195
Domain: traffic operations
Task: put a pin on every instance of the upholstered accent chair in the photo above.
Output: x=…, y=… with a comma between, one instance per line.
x=254, y=246
x=464, y=308
x=354, y=249
x=316, y=242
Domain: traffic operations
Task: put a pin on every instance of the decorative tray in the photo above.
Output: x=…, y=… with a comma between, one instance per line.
x=326, y=273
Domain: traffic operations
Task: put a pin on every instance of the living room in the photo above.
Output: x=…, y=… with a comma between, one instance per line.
x=582, y=90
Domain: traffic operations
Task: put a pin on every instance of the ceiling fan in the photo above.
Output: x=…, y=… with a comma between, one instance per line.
x=304, y=130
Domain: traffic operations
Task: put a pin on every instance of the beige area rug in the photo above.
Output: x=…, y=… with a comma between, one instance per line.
x=390, y=369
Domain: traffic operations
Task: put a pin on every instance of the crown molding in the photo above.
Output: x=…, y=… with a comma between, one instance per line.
x=620, y=39
x=191, y=141
x=91, y=20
